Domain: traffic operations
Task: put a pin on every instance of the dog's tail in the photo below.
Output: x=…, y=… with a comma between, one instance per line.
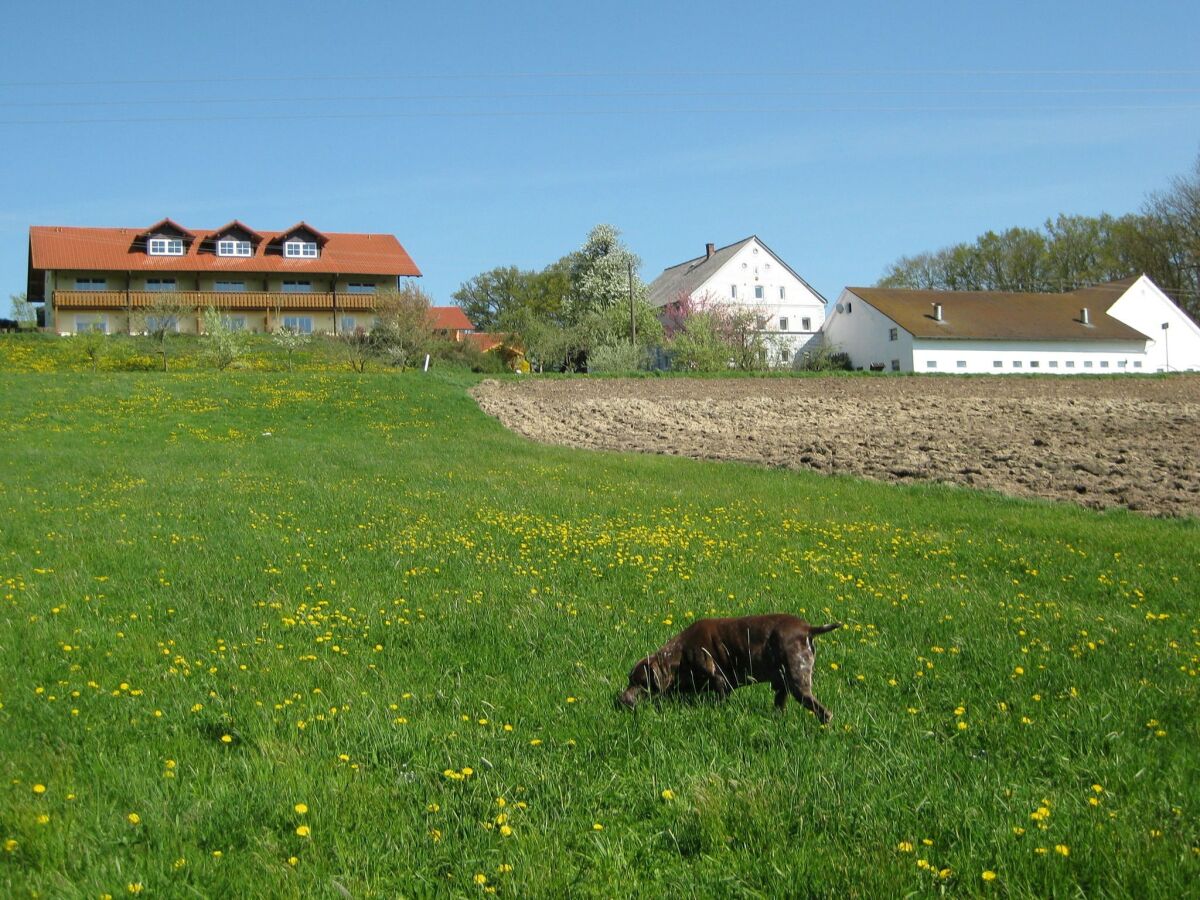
x=823, y=629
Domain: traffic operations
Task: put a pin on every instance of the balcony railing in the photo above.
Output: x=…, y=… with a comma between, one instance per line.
x=264, y=300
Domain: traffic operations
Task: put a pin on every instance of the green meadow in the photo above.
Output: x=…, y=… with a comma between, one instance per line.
x=320, y=634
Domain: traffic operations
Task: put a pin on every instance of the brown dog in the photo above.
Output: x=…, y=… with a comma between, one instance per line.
x=722, y=654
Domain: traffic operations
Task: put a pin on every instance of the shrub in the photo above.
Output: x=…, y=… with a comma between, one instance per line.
x=610, y=358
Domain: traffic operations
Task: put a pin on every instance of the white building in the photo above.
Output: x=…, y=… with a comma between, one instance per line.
x=1125, y=326
x=749, y=275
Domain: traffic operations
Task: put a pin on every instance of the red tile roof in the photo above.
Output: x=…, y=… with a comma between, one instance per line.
x=485, y=341
x=116, y=250
x=450, y=318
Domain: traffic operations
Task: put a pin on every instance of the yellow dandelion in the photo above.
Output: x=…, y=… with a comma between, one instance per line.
x=504, y=868
x=905, y=847
x=505, y=830
x=596, y=826
x=134, y=818
x=43, y=819
x=480, y=878
x=39, y=789
x=303, y=830
x=1062, y=849
x=988, y=875
x=293, y=860
x=10, y=846
x=668, y=795
x=134, y=887
x=227, y=739
x=301, y=808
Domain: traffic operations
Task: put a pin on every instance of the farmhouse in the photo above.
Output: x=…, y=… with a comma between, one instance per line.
x=1124, y=326
x=749, y=275
x=108, y=279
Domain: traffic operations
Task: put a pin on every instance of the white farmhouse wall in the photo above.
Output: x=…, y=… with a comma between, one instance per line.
x=754, y=266
x=962, y=357
x=1146, y=308
x=861, y=331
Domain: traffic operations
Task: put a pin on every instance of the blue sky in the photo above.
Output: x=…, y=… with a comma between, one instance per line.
x=844, y=135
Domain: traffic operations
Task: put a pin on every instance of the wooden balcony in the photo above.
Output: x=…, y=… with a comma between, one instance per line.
x=200, y=300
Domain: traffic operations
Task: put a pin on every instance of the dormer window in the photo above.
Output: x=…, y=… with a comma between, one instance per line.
x=234, y=248
x=300, y=249
x=165, y=247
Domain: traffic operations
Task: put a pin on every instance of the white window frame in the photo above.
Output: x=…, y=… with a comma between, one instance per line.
x=782, y=292
x=91, y=323
x=893, y=334
x=783, y=323
x=160, y=246
x=759, y=292
x=733, y=291
x=961, y=364
x=298, y=324
x=1087, y=364
x=1016, y=364
x=348, y=324
x=1104, y=363
x=1070, y=363
x=931, y=363
x=806, y=324
x=1034, y=364
x=1053, y=364
x=300, y=249
x=230, y=247
x=997, y=364
x=785, y=355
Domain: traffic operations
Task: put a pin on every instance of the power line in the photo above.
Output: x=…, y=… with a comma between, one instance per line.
x=665, y=73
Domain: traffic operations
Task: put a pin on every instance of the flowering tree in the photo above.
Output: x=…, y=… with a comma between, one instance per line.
x=706, y=334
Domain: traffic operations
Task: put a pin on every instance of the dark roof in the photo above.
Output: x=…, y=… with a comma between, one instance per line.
x=685, y=278
x=1004, y=316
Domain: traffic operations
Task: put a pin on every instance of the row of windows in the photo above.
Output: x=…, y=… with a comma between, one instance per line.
x=170, y=284
x=230, y=247
x=762, y=321
x=759, y=292
x=1033, y=364
x=298, y=324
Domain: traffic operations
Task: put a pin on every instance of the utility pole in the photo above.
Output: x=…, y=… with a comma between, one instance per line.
x=632, y=318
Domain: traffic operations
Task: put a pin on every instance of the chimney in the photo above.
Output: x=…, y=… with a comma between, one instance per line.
x=1085, y=317
x=709, y=250
x=937, y=312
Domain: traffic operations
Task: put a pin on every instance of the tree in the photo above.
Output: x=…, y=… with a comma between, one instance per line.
x=160, y=317
x=92, y=344
x=706, y=335
x=488, y=296
x=603, y=274
x=23, y=311
x=223, y=345
x=405, y=329
x=289, y=341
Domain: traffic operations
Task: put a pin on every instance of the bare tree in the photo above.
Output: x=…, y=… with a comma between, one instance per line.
x=160, y=318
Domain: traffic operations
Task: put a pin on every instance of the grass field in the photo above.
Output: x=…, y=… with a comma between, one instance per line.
x=321, y=634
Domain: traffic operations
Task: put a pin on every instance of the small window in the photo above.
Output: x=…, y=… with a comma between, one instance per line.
x=785, y=355
x=783, y=323
x=1033, y=364
x=233, y=248
x=1137, y=363
x=84, y=324
x=997, y=364
x=1016, y=364
x=297, y=287
x=1122, y=363
x=733, y=291
x=893, y=334
x=349, y=324
x=1070, y=363
x=360, y=287
x=962, y=364
x=895, y=365
x=782, y=292
x=1087, y=363
x=166, y=247
x=1104, y=363
x=234, y=323
x=300, y=249
x=1053, y=364
x=298, y=324
x=849, y=308
x=760, y=322
x=229, y=287
x=160, y=284
x=931, y=363
x=806, y=324
x=758, y=292
x=90, y=284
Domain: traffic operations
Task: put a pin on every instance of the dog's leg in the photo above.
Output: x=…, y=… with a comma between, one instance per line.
x=799, y=676
x=779, y=684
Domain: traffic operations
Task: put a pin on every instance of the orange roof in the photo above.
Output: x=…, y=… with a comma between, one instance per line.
x=450, y=318
x=119, y=250
x=485, y=341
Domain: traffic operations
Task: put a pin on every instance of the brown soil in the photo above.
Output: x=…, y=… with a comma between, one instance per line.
x=1131, y=442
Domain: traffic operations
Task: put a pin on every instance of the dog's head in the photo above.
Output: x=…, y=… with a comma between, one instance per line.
x=643, y=679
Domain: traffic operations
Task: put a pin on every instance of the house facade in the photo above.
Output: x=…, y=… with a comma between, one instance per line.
x=119, y=280
x=750, y=276
x=1125, y=326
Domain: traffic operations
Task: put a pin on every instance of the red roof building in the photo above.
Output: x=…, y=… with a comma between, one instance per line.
x=300, y=278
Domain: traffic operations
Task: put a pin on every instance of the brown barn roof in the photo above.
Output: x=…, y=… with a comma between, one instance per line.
x=119, y=250
x=995, y=315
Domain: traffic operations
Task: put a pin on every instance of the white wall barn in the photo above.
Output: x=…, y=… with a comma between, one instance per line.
x=1125, y=326
x=749, y=275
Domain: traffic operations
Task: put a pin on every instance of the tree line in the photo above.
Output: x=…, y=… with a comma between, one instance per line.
x=1161, y=240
